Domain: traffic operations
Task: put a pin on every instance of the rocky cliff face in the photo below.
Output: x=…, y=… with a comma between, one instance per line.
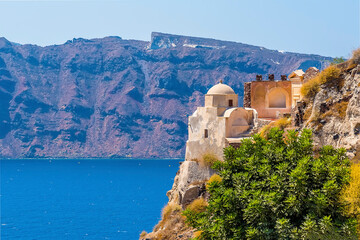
x=113, y=98
x=334, y=115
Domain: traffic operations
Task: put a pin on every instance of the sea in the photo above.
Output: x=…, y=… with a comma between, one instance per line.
x=83, y=198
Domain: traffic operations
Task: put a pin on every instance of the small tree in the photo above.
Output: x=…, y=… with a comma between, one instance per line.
x=337, y=60
x=275, y=188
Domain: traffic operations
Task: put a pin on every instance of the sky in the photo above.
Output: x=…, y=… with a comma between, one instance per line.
x=324, y=27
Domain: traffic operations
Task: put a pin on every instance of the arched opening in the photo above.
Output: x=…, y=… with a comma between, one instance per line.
x=259, y=95
x=237, y=122
x=277, y=98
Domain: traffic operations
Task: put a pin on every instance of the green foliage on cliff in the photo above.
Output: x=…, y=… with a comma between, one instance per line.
x=275, y=188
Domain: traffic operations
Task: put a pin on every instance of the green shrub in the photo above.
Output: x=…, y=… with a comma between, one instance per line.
x=351, y=195
x=337, y=60
x=275, y=188
x=214, y=179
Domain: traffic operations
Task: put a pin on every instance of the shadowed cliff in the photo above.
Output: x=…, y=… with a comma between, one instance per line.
x=111, y=97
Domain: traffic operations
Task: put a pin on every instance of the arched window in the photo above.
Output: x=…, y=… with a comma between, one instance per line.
x=277, y=98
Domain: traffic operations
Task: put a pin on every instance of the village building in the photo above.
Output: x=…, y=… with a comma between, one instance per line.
x=221, y=122
x=275, y=98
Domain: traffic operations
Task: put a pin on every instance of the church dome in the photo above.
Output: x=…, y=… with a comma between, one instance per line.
x=221, y=89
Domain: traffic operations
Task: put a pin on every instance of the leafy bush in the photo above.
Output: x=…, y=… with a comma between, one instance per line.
x=337, y=60
x=351, y=195
x=214, y=179
x=275, y=188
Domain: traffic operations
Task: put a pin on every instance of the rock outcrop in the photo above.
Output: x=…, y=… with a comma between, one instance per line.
x=334, y=115
x=189, y=183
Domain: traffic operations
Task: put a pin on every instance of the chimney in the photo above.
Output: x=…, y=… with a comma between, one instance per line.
x=258, y=77
x=283, y=77
x=271, y=77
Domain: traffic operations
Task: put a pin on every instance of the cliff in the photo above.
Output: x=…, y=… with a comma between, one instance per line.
x=334, y=112
x=112, y=97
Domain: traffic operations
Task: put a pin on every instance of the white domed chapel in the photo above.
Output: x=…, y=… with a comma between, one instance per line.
x=221, y=122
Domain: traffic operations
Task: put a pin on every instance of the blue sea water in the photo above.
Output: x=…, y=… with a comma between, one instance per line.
x=83, y=199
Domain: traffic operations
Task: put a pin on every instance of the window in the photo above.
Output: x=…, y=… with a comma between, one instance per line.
x=206, y=133
x=230, y=103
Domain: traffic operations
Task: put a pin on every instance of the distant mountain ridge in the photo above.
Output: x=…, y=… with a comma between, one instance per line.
x=112, y=97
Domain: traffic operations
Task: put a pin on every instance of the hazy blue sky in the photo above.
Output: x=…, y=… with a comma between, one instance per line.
x=326, y=27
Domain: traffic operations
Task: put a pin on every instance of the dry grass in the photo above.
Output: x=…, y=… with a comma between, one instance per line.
x=329, y=76
x=197, y=234
x=350, y=66
x=281, y=123
x=307, y=113
x=169, y=209
x=207, y=160
x=350, y=195
x=171, y=224
x=143, y=234
x=355, y=58
x=341, y=108
x=197, y=183
x=198, y=205
x=336, y=110
x=310, y=88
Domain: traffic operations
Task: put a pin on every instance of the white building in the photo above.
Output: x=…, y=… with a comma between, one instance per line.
x=218, y=124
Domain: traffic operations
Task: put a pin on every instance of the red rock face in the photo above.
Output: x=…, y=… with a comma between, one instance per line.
x=114, y=98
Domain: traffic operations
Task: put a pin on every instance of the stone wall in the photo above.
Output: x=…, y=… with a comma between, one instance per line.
x=310, y=73
x=247, y=94
x=260, y=95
